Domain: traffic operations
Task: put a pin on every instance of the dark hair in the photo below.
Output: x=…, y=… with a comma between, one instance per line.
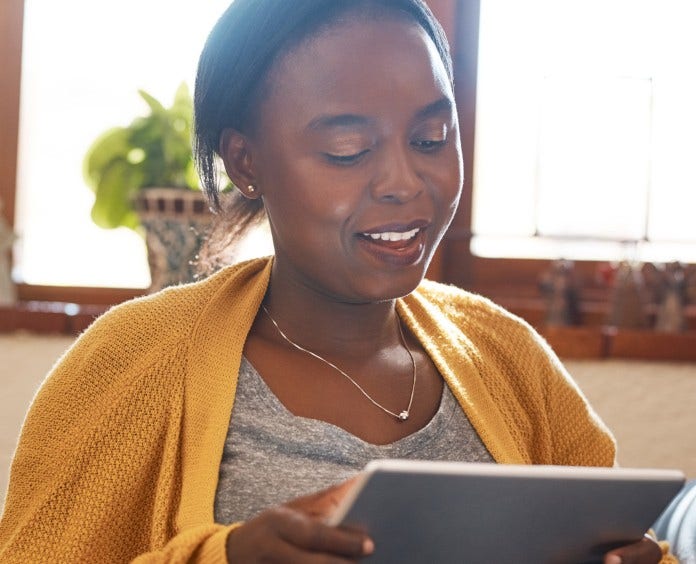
x=247, y=40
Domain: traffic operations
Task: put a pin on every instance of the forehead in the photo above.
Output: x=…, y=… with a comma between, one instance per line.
x=358, y=66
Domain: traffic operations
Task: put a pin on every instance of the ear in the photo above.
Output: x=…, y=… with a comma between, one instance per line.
x=235, y=151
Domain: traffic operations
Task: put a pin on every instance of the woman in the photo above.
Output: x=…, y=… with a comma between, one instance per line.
x=337, y=119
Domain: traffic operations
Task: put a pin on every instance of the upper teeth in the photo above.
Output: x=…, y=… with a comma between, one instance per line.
x=393, y=235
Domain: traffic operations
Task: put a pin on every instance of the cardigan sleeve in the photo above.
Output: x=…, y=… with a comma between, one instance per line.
x=100, y=471
x=575, y=433
x=562, y=428
x=96, y=477
x=579, y=437
x=199, y=545
x=542, y=407
x=515, y=391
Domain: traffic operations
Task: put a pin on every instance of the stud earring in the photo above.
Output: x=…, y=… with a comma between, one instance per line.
x=251, y=189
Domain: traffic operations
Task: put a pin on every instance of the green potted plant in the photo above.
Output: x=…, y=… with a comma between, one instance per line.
x=143, y=178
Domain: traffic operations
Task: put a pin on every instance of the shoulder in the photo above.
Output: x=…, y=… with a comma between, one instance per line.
x=500, y=338
x=473, y=312
x=137, y=352
x=528, y=382
x=164, y=317
x=140, y=336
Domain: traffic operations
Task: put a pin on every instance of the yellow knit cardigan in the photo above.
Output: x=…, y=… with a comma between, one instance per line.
x=120, y=451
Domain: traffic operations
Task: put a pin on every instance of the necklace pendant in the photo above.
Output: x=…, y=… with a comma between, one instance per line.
x=403, y=416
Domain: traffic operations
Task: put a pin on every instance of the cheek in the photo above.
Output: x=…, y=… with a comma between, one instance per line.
x=448, y=178
x=339, y=207
x=310, y=205
x=325, y=201
x=320, y=194
x=456, y=170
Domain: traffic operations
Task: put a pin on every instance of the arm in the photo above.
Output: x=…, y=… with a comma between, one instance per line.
x=96, y=476
x=295, y=532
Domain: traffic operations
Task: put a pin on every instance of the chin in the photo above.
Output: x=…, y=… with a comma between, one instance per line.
x=390, y=287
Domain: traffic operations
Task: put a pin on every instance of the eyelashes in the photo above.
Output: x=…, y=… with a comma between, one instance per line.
x=421, y=145
x=345, y=160
x=429, y=145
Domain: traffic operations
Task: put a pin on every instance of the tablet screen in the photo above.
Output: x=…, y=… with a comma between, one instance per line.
x=444, y=512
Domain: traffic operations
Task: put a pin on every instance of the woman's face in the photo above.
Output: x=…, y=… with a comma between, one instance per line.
x=358, y=160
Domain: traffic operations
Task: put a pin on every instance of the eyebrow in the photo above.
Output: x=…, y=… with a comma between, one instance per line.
x=340, y=120
x=441, y=106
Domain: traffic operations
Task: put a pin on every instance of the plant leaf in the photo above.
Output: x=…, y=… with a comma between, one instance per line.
x=112, y=205
x=192, y=180
x=162, y=142
x=111, y=145
x=155, y=105
x=182, y=99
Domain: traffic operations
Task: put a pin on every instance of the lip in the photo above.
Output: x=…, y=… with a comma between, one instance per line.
x=395, y=253
x=398, y=227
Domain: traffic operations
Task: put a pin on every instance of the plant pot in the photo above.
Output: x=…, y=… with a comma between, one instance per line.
x=176, y=221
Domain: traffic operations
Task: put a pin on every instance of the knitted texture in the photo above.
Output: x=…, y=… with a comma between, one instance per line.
x=512, y=386
x=120, y=451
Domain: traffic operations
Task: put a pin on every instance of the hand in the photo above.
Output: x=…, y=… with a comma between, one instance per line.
x=296, y=532
x=645, y=551
x=323, y=503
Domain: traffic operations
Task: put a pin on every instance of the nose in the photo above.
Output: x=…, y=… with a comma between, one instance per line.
x=398, y=179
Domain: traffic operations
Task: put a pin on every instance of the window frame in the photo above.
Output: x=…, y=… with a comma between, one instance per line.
x=511, y=282
x=505, y=277
x=11, y=24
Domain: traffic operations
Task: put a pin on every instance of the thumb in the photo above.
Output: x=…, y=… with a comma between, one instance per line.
x=322, y=504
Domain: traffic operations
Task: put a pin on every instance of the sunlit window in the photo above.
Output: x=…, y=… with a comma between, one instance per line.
x=83, y=62
x=585, y=143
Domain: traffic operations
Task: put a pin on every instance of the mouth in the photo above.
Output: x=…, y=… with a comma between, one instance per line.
x=392, y=236
x=395, y=244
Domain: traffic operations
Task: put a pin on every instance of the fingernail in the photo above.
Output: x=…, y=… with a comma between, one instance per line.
x=613, y=559
x=368, y=546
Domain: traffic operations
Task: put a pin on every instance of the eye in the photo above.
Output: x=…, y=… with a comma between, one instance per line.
x=428, y=145
x=430, y=136
x=346, y=160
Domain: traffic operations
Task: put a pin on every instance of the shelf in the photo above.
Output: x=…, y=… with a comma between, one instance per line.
x=610, y=342
x=48, y=317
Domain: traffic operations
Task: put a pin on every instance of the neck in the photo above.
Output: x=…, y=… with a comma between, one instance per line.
x=329, y=325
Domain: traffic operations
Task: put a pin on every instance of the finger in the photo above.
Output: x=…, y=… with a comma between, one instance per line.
x=276, y=550
x=311, y=534
x=291, y=554
x=645, y=551
x=261, y=540
x=323, y=503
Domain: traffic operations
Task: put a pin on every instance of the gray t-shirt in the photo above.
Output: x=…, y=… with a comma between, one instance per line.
x=272, y=456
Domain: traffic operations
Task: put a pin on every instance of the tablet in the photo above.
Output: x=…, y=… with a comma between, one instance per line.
x=450, y=512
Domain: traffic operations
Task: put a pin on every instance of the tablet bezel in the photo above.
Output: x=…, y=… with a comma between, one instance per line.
x=657, y=485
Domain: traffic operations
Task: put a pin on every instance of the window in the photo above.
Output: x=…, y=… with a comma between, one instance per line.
x=585, y=130
x=82, y=65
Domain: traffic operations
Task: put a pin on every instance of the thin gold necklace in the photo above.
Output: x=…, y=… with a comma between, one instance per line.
x=403, y=416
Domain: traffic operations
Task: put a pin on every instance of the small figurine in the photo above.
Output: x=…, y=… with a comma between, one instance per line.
x=560, y=288
x=673, y=286
x=629, y=297
x=8, y=292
